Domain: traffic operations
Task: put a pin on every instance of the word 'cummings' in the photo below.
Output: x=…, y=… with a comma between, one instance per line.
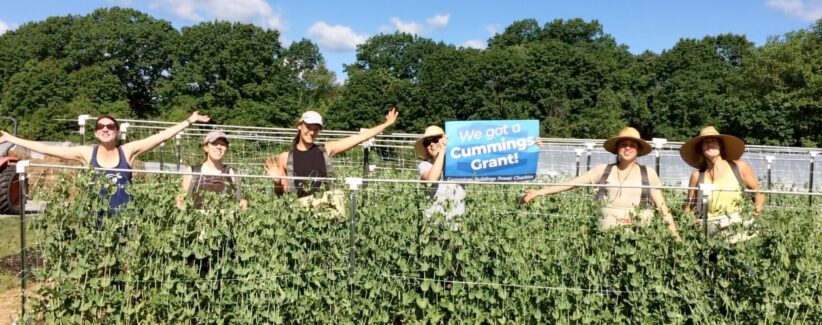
x=520, y=144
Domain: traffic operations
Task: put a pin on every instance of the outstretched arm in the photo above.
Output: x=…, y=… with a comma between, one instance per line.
x=342, y=145
x=67, y=153
x=135, y=148
x=587, y=178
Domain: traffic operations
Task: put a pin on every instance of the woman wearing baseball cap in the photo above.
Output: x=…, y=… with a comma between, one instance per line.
x=309, y=159
x=626, y=175
x=216, y=176
x=716, y=158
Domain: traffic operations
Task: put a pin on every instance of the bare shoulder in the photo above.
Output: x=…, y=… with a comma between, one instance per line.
x=694, y=177
x=742, y=164
x=86, y=153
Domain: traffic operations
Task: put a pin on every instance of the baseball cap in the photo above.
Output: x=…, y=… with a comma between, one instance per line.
x=311, y=117
x=214, y=136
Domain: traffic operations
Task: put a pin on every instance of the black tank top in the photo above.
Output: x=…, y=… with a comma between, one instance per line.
x=309, y=163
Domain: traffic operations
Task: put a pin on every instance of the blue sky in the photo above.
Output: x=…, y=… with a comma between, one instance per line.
x=338, y=26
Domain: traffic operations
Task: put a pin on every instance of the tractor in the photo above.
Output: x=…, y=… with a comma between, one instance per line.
x=9, y=180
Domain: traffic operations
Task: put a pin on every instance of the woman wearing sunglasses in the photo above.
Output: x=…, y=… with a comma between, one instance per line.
x=448, y=198
x=109, y=153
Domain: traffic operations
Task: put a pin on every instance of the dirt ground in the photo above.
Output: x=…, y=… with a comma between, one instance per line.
x=10, y=303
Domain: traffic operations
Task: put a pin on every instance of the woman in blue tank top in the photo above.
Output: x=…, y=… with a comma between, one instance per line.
x=108, y=154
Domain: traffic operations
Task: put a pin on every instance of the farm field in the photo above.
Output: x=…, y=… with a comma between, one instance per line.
x=501, y=262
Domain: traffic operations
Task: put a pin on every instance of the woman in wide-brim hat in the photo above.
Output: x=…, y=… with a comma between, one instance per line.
x=448, y=198
x=716, y=158
x=631, y=181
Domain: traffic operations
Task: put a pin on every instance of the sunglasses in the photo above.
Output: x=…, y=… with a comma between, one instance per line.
x=110, y=127
x=431, y=140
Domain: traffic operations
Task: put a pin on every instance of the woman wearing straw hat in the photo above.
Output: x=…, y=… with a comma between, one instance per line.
x=216, y=175
x=716, y=157
x=430, y=148
x=309, y=159
x=621, y=201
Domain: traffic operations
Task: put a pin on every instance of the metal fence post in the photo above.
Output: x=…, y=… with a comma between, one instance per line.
x=705, y=191
x=658, y=144
x=177, y=147
x=769, y=159
x=366, y=150
x=590, y=147
x=579, y=152
x=162, y=155
x=353, y=185
x=81, y=122
x=810, y=180
x=124, y=130
x=21, y=176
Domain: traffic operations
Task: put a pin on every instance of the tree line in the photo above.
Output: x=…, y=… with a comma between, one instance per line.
x=572, y=76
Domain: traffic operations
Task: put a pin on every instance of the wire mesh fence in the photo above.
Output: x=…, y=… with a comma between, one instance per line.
x=387, y=261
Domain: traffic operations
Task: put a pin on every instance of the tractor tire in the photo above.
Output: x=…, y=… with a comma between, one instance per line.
x=9, y=191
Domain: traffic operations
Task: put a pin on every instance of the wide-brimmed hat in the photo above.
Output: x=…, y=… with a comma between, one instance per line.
x=627, y=133
x=691, y=151
x=214, y=136
x=431, y=131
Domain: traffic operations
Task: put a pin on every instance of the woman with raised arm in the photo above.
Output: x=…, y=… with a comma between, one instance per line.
x=309, y=159
x=109, y=153
x=620, y=202
x=217, y=177
x=716, y=158
x=448, y=198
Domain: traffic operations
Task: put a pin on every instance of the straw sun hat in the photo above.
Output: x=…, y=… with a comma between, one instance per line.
x=691, y=150
x=431, y=131
x=628, y=133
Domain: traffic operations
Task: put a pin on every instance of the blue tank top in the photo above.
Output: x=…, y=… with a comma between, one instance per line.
x=121, y=179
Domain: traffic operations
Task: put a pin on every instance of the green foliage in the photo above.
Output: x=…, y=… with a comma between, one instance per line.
x=568, y=73
x=282, y=263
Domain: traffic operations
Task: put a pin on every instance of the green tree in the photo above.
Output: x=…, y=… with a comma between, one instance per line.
x=782, y=91
x=400, y=54
x=134, y=46
x=235, y=73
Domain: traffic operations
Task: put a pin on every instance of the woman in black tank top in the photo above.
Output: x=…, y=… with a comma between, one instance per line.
x=216, y=176
x=308, y=159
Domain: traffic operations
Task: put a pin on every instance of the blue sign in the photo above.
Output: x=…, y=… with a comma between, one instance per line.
x=494, y=151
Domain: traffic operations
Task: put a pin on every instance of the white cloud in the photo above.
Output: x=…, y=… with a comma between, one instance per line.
x=491, y=29
x=257, y=12
x=807, y=10
x=415, y=28
x=337, y=38
x=4, y=27
x=475, y=44
x=438, y=21
x=410, y=27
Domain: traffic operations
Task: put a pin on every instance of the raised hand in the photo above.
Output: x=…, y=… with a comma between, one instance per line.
x=391, y=117
x=271, y=167
x=529, y=195
x=197, y=117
